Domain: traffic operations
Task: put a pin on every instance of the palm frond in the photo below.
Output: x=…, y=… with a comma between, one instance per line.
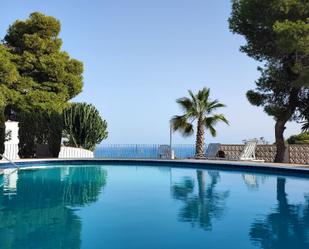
x=197, y=106
x=212, y=130
x=185, y=103
x=202, y=100
x=180, y=123
x=193, y=97
x=210, y=122
x=220, y=117
x=203, y=95
x=213, y=105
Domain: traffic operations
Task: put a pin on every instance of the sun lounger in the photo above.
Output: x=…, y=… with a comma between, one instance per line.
x=212, y=151
x=248, y=153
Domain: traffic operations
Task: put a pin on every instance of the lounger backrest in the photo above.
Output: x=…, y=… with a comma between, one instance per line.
x=212, y=150
x=249, y=151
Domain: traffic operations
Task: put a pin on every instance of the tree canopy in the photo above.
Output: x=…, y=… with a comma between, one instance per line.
x=8, y=74
x=277, y=33
x=37, y=80
x=46, y=77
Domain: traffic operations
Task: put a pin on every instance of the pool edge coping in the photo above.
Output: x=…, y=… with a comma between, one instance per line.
x=271, y=168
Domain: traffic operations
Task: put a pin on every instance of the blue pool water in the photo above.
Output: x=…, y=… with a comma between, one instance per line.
x=139, y=207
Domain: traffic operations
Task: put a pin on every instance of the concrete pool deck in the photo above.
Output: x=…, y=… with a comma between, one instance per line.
x=271, y=168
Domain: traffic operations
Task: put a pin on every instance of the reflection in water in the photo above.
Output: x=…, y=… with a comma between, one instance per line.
x=41, y=209
x=200, y=208
x=253, y=181
x=287, y=226
x=9, y=181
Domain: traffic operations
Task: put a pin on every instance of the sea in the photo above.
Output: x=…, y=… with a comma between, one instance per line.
x=144, y=151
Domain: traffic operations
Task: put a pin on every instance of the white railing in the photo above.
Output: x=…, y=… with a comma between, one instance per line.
x=71, y=152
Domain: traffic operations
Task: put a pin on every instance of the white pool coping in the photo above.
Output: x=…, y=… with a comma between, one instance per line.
x=297, y=168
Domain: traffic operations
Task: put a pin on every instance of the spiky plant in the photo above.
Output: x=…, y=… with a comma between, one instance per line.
x=198, y=107
x=83, y=126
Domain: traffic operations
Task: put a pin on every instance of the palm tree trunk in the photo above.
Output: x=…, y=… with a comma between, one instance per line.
x=199, y=145
x=201, y=183
x=279, y=130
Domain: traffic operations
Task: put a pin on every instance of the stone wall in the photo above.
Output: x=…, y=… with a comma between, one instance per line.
x=296, y=153
x=299, y=153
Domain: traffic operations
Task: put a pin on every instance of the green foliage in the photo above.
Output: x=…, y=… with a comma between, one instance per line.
x=280, y=35
x=26, y=135
x=39, y=127
x=48, y=76
x=8, y=75
x=302, y=138
x=277, y=32
x=55, y=127
x=37, y=80
x=2, y=125
x=83, y=126
x=198, y=107
x=272, y=28
x=8, y=71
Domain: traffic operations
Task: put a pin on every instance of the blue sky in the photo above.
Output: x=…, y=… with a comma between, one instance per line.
x=141, y=55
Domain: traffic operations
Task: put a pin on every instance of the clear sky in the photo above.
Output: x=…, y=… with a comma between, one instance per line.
x=140, y=55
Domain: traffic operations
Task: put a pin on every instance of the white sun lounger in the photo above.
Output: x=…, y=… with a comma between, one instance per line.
x=248, y=154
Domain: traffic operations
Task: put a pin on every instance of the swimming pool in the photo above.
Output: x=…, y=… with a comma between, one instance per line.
x=148, y=206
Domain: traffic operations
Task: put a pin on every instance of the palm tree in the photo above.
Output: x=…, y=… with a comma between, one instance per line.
x=198, y=108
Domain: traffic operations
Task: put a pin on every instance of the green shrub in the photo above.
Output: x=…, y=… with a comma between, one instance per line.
x=55, y=127
x=302, y=138
x=39, y=128
x=26, y=133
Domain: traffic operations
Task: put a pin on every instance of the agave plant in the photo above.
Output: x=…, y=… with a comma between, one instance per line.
x=198, y=107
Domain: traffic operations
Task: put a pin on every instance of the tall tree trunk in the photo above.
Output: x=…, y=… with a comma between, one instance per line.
x=279, y=130
x=280, y=124
x=199, y=145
